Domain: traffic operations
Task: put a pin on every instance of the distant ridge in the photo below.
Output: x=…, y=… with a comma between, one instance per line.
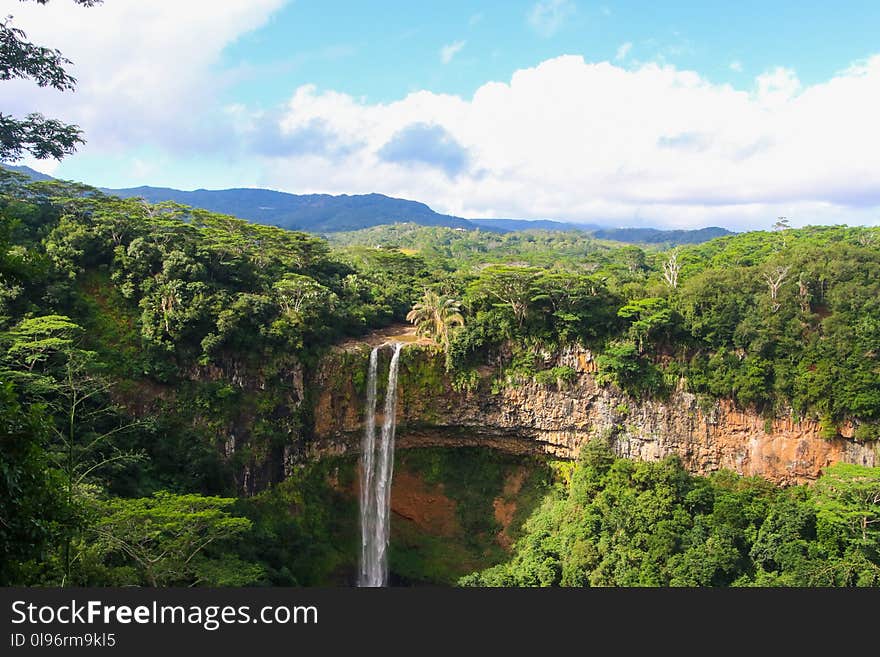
x=657, y=236
x=631, y=235
x=532, y=224
x=30, y=173
x=316, y=213
x=325, y=213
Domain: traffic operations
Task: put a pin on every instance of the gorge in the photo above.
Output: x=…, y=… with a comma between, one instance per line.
x=471, y=462
x=555, y=394
x=447, y=515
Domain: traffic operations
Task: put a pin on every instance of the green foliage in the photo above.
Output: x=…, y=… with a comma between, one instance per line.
x=867, y=431
x=649, y=318
x=509, y=288
x=422, y=374
x=117, y=316
x=625, y=523
x=34, y=341
x=558, y=376
x=827, y=428
x=437, y=317
x=513, y=308
x=466, y=380
x=622, y=364
x=167, y=540
x=439, y=246
x=162, y=348
x=848, y=499
x=388, y=280
x=817, y=351
x=32, y=504
x=36, y=135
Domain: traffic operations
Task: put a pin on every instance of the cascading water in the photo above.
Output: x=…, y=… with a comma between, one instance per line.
x=367, y=497
x=377, y=468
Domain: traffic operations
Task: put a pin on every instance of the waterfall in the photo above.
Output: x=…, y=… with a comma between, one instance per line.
x=368, y=448
x=377, y=468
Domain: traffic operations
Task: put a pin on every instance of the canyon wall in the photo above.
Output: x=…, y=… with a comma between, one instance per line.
x=524, y=416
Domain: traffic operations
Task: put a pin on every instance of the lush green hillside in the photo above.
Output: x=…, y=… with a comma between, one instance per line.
x=613, y=522
x=454, y=249
x=156, y=360
x=326, y=214
x=774, y=319
x=109, y=303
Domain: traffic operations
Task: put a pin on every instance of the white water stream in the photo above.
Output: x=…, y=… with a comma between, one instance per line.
x=377, y=468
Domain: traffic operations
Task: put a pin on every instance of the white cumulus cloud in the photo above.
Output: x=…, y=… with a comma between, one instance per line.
x=587, y=141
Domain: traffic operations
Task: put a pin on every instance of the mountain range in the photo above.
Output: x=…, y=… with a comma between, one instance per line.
x=325, y=213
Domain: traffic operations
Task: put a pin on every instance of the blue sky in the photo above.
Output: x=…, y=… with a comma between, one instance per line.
x=382, y=51
x=626, y=113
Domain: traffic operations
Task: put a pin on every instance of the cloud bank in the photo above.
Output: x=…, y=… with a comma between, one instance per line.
x=595, y=142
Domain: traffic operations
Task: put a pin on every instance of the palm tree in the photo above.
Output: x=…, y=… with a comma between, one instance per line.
x=436, y=316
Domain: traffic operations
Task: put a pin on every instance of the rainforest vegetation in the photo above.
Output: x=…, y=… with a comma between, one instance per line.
x=616, y=522
x=135, y=337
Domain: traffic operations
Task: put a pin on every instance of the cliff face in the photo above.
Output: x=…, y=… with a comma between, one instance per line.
x=250, y=416
x=264, y=424
x=556, y=419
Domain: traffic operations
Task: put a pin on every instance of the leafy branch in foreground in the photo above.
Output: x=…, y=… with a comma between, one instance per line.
x=35, y=134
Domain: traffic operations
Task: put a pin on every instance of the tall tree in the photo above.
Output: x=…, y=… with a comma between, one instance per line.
x=436, y=316
x=41, y=354
x=512, y=286
x=648, y=318
x=848, y=498
x=166, y=536
x=671, y=269
x=774, y=279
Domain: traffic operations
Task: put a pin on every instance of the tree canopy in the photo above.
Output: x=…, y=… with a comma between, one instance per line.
x=617, y=522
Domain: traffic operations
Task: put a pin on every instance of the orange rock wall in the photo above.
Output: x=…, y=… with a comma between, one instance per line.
x=557, y=419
